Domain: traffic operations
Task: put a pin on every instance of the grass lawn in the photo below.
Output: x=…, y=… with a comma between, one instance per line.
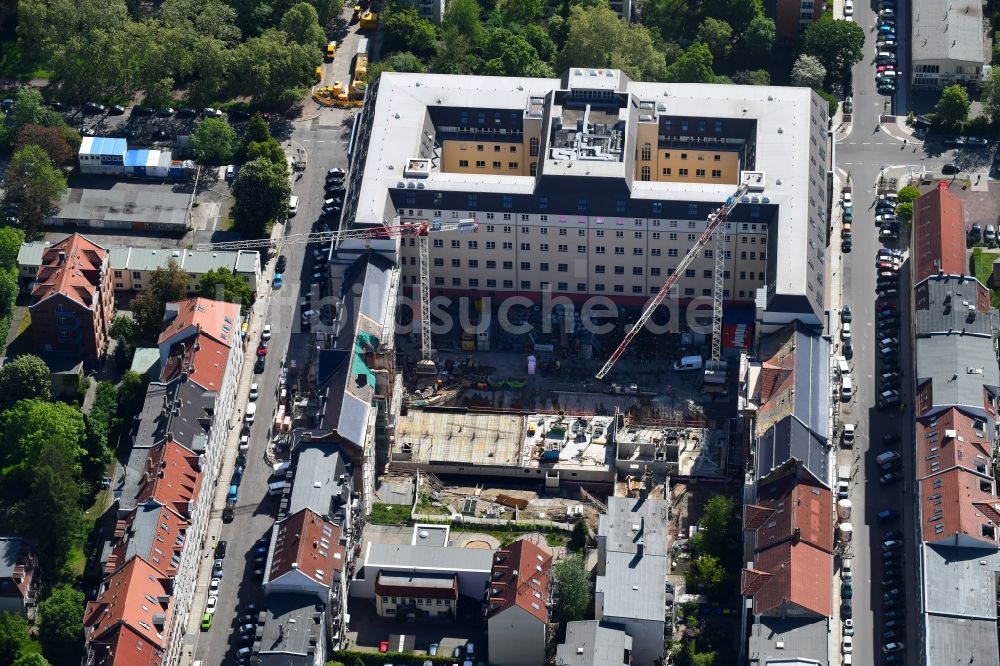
x=389, y=514
x=983, y=264
x=77, y=560
x=13, y=66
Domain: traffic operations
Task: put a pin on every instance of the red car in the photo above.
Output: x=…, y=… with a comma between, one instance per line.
x=262, y=349
x=383, y=646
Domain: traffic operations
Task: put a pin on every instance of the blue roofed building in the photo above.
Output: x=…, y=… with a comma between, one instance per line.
x=102, y=155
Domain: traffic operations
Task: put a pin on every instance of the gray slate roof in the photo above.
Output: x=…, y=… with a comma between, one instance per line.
x=947, y=359
x=804, y=641
x=790, y=438
x=943, y=315
x=288, y=627
x=961, y=581
x=10, y=548
x=948, y=30
x=590, y=643
x=428, y=558
x=318, y=484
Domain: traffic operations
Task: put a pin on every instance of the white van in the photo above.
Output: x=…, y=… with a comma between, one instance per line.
x=688, y=363
x=843, y=367
x=280, y=468
x=276, y=487
x=846, y=388
x=293, y=205
x=251, y=411
x=845, y=567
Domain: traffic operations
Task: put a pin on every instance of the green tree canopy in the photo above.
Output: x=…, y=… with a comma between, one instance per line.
x=32, y=659
x=13, y=636
x=908, y=194
x=718, y=35
x=23, y=378
x=54, y=490
x=808, y=72
x=31, y=425
x=273, y=69
x=261, y=191
x=59, y=143
x=694, y=66
x=507, y=54
x=837, y=44
x=166, y=285
x=573, y=588
x=29, y=109
x=269, y=150
x=131, y=394
x=11, y=239
x=464, y=17
x=706, y=571
x=36, y=185
x=758, y=39
x=597, y=37
x=61, y=625
x=989, y=93
x=405, y=30
x=715, y=529
x=904, y=211
x=221, y=285
x=952, y=109
x=213, y=141
x=301, y=24
x=400, y=62
x=739, y=13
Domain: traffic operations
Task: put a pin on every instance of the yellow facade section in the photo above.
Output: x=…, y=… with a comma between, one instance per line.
x=502, y=158
x=683, y=165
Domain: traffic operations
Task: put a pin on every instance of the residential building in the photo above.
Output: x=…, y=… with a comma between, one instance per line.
x=416, y=596
x=776, y=641
x=293, y=632
x=432, y=10
x=791, y=17
x=127, y=622
x=632, y=563
x=596, y=185
x=72, y=302
x=590, y=643
x=948, y=42
x=473, y=566
x=18, y=575
x=956, y=387
x=307, y=556
x=517, y=603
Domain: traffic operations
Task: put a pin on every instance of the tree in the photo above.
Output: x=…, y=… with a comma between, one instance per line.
x=213, y=141
x=13, y=636
x=269, y=150
x=59, y=143
x=756, y=77
x=301, y=24
x=256, y=130
x=123, y=329
x=758, y=39
x=11, y=239
x=32, y=659
x=597, y=37
x=953, y=108
x=36, y=185
x=836, y=44
x=638, y=55
x=990, y=93
x=706, y=571
x=907, y=195
x=166, y=285
x=33, y=426
x=508, y=54
x=718, y=35
x=739, y=13
x=676, y=20
x=400, y=62
x=54, y=491
x=574, y=589
x=464, y=17
x=99, y=422
x=808, y=72
x=23, y=378
x=715, y=529
x=405, y=30
x=272, y=69
x=904, y=211
x=29, y=109
x=131, y=394
x=261, y=191
x=61, y=627
x=221, y=285
x=694, y=66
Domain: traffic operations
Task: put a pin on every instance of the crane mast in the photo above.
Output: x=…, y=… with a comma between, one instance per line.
x=422, y=230
x=715, y=222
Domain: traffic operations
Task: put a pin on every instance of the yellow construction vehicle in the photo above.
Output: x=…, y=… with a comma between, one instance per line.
x=369, y=21
x=319, y=73
x=331, y=50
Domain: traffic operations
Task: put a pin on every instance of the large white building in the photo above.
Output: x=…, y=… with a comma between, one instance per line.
x=596, y=185
x=948, y=42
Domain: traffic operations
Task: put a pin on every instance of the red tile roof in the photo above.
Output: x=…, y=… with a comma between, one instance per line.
x=125, y=647
x=164, y=546
x=307, y=543
x=800, y=512
x=959, y=505
x=790, y=577
x=216, y=319
x=938, y=235
x=951, y=440
x=18, y=557
x=426, y=586
x=71, y=267
x=777, y=379
x=129, y=598
x=171, y=477
x=520, y=577
x=202, y=357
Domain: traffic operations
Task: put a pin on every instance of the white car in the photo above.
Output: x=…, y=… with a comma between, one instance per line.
x=213, y=601
x=244, y=443
x=213, y=587
x=848, y=8
x=848, y=644
x=254, y=391
x=845, y=332
x=251, y=412
x=848, y=199
x=848, y=627
x=265, y=333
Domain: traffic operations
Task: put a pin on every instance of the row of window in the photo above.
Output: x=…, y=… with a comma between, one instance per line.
x=418, y=602
x=647, y=154
x=481, y=164
x=526, y=285
x=472, y=202
x=598, y=249
x=496, y=148
x=646, y=174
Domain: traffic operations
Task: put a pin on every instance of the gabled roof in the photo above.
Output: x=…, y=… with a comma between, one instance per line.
x=517, y=581
x=17, y=564
x=154, y=533
x=790, y=440
x=216, y=319
x=952, y=439
x=792, y=578
x=72, y=267
x=308, y=545
x=799, y=512
x=958, y=370
x=171, y=478
x=202, y=357
x=960, y=508
x=938, y=235
x=131, y=597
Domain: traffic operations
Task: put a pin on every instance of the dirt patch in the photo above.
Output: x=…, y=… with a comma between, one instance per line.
x=481, y=545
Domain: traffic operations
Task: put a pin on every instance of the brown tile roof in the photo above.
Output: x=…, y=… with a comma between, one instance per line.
x=71, y=267
x=938, y=235
x=791, y=576
x=131, y=597
x=426, y=586
x=202, y=357
x=938, y=450
x=307, y=543
x=216, y=319
x=161, y=547
x=125, y=647
x=19, y=560
x=517, y=581
x=957, y=504
x=776, y=383
x=171, y=477
x=801, y=512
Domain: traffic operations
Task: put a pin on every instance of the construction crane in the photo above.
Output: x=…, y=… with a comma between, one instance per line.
x=715, y=222
x=421, y=230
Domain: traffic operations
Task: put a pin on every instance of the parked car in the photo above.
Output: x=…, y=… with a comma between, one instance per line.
x=949, y=168
x=265, y=333
x=976, y=141
x=279, y=265
x=845, y=314
x=93, y=107
x=277, y=281
x=258, y=366
x=887, y=516
x=848, y=8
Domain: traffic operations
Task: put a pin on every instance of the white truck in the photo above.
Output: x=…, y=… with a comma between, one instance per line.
x=843, y=481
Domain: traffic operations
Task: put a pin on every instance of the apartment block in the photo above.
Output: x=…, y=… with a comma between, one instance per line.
x=791, y=17
x=596, y=185
x=956, y=387
x=517, y=603
x=72, y=302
